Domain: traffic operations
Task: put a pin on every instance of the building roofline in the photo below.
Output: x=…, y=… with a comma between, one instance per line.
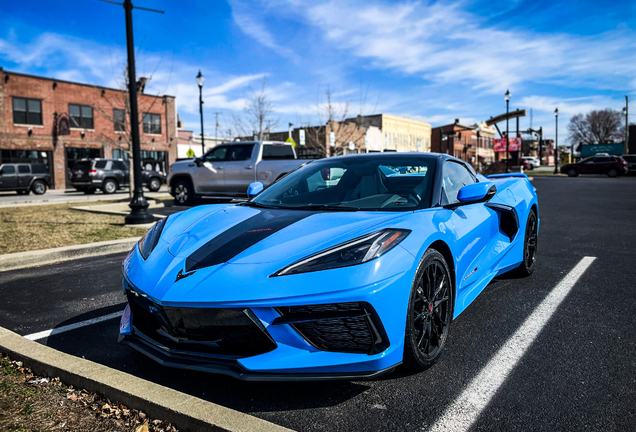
x=75, y=83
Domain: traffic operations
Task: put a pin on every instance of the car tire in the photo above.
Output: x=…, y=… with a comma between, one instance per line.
x=530, y=243
x=530, y=167
x=183, y=193
x=38, y=187
x=109, y=187
x=612, y=173
x=572, y=172
x=429, y=312
x=154, y=185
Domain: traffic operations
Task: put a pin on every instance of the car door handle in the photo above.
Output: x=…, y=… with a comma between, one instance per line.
x=248, y=167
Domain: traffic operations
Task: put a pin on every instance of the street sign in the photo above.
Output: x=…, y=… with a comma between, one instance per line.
x=332, y=138
x=290, y=140
x=190, y=152
x=301, y=132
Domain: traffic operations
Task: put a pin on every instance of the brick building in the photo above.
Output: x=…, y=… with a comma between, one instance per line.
x=399, y=134
x=33, y=111
x=474, y=144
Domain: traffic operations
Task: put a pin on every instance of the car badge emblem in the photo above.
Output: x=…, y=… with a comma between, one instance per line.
x=182, y=275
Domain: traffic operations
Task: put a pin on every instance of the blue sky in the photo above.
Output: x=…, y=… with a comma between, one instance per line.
x=427, y=60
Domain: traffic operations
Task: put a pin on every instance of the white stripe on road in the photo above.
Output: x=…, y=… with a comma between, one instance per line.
x=465, y=410
x=51, y=332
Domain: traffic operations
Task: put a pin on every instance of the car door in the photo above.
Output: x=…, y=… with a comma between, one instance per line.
x=24, y=175
x=209, y=176
x=474, y=228
x=239, y=168
x=120, y=171
x=8, y=177
x=586, y=166
x=601, y=165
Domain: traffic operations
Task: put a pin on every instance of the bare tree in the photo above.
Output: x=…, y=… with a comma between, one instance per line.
x=596, y=127
x=333, y=117
x=258, y=114
x=122, y=102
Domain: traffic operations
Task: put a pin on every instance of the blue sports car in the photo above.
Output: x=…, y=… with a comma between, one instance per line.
x=343, y=269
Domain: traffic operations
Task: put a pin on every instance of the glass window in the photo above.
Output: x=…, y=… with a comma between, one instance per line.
x=23, y=169
x=100, y=164
x=217, y=154
x=27, y=111
x=455, y=177
x=152, y=123
x=240, y=152
x=38, y=169
x=354, y=183
x=8, y=169
x=271, y=151
x=81, y=116
x=119, y=120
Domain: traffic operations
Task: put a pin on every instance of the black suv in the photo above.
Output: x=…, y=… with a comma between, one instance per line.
x=24, y=178
x=88, y=175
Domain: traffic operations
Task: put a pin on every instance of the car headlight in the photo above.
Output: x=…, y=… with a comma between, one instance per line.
x=150, y=240
x=353, y=252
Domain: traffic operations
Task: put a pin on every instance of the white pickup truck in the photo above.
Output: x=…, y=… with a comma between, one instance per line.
x=226, y=170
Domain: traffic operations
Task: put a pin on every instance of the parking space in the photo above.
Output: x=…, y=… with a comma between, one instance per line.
x=570, y=367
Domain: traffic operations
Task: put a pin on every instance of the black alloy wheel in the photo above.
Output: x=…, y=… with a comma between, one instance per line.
x=612, y=173
x=429, y=313
x=183, y=193
x=109, y=187
x=38, y=187
x=572, y=172
x=530, y=243
x=154, y=185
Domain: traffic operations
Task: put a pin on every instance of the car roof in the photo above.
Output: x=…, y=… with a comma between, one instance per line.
x=398, y=155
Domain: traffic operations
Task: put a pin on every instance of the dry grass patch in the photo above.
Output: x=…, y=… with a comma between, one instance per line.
x=29, y=228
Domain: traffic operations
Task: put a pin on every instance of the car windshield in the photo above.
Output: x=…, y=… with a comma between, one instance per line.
x=350, y=183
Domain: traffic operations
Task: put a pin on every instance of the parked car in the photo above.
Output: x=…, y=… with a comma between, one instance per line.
x=109, y=175
x=226, y=170
x=533, y=162
x=314, y=281
x=24, y=178
x=612, y=166
x=631, y=163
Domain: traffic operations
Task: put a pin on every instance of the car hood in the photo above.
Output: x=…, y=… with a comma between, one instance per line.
x=223, y=245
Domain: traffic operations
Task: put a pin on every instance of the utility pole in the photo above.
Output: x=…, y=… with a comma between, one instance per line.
x=216, y=129
x=138, y=205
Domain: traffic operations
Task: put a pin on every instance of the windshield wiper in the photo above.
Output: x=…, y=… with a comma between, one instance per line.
x=258, y=205
x=327, y=207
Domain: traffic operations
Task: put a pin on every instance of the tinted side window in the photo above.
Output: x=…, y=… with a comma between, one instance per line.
x=455, y=177
x=277, y=152
x=603, y=160
x=8, y=169
x=100, y=164
x=23, y=169
x=119, y=165
x=240, y=152
x=216, y=155
x=38, y=169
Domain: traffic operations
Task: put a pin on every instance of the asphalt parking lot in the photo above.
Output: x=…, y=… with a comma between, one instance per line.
x=578, y=374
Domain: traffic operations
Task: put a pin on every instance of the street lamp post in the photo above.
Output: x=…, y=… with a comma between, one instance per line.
x=507, y=97
x=200, y=81
x=139, y=213
x=556, y=141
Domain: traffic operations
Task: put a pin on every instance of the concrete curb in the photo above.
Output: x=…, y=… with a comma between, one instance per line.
x=48, y=256
x=187, y=413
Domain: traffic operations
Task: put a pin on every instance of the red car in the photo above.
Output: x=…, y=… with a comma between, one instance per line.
x=612, y=166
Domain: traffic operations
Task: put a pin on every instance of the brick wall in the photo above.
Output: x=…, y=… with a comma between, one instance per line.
x=56, y=97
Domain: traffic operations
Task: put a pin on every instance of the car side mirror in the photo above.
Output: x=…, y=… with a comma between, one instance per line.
x=475, y=193
x=254, y=189
x=198, y=161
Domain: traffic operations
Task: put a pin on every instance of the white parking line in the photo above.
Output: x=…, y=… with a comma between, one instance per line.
x=465, y=410
x=51, y=332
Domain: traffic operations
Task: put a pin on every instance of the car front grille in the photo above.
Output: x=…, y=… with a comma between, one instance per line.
x=352, y=327
x=211, y=332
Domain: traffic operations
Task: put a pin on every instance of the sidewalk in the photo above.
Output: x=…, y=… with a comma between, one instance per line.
x=67, y=196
